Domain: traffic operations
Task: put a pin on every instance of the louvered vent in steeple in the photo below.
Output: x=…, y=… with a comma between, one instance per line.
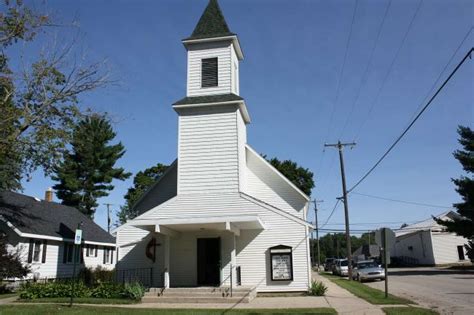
x=209, y=72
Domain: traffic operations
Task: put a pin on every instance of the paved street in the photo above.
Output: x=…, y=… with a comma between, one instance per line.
x=449, y=291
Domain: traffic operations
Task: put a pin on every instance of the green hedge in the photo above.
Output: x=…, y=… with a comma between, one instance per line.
x=104, y=290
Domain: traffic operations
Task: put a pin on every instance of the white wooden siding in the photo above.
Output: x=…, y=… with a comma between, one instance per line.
x=263, y=183
x=235, y=71
x=417, y=245
x=53, y=267
x=208, y=150
x=242, y=141
x=164, y=189
x=445, y=247
x=197, y=52
x=252, y=245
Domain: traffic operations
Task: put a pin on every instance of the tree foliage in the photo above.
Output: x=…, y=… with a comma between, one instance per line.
x=334, y=245
x=39, y=103
x=301, y=177
x=142, y=181
x=464, y=224
x=10, y=263
x=86, y=172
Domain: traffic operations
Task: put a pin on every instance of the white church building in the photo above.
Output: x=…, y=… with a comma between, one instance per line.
x=221, y=215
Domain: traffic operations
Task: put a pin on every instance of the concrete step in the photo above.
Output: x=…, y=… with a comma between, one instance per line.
x=193, y=299
x=199, y=294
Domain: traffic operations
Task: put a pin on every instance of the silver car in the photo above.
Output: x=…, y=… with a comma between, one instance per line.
x=368, y=270
x=341, y=267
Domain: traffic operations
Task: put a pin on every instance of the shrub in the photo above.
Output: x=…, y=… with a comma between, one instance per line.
x=317, y=288
x=92, y=276
x=134, y=291
x=108, y=291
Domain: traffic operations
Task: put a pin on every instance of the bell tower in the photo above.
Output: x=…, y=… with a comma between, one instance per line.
x=212, y=116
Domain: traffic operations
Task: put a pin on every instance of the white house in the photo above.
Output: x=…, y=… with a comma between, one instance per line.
x=41, y=233
x=221, y=214
x=428, y=243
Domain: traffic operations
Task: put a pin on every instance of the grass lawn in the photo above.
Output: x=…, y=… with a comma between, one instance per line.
x=408, y=311
x=7, y=295
x=60, y=309
x=80, y=301
x=365, y=292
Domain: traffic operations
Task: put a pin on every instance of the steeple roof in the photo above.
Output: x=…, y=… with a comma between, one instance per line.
x=211, y=24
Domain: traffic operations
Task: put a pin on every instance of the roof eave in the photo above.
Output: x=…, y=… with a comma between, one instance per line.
x=240, y=103
x=233, y=38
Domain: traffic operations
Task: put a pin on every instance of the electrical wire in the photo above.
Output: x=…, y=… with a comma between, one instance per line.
x=368, y=66
x=379, y=92
x=402, y=201
x=412, y=123
x=332, y=212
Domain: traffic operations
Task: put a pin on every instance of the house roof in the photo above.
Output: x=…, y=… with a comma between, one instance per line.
x=211, y=24
x=428, y=224
x=189, y=100
x=28, y=215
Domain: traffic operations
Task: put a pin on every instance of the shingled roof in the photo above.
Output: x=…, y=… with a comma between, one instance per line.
x=211, y=24
x=209, y=99
x=33, y=216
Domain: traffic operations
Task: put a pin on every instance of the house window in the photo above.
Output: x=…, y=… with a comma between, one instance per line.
x=69, y=252
x=108, y=255
x=461, y=252
x=36, y=250
x=209, y=71
x=91, y=251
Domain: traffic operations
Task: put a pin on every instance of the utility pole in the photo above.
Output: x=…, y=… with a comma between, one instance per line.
x=315, y=201
x=340, y=146
x=108, y=215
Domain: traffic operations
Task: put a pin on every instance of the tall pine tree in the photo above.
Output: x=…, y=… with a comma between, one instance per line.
x=86, y=172
x=141, y=182
x=464, y=225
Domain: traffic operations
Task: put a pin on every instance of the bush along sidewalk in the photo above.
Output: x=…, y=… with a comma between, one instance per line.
x=317, y=288
x=62, y=289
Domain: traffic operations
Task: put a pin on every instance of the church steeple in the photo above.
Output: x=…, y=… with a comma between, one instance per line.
x=211, y=24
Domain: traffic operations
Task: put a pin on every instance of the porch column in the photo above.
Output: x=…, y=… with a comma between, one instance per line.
x=233, y=261
x=167, y=262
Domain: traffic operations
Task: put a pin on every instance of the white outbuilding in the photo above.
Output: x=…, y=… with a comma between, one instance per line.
x=428, y=243
x=221, y=215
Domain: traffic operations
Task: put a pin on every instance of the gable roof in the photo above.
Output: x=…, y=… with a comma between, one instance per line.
x=278, y=173
x=211, y=24
x=37, y=218
x=428, y=224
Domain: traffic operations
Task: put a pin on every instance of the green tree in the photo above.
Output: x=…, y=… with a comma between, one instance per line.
x=464, y=224
x=142, y=181
x=301, y=177
x=10, y=262
x=38, y=101
x=86, y=173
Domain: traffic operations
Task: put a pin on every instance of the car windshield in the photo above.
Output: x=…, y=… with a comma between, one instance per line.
x=344, y=263
x=365, y=265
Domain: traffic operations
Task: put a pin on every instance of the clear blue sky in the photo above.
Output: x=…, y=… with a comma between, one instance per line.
x=294, y=52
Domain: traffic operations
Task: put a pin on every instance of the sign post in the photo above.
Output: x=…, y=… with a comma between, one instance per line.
x=75, y=252
x=385, y=238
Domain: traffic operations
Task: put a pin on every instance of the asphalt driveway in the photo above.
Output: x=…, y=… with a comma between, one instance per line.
x=446, y=290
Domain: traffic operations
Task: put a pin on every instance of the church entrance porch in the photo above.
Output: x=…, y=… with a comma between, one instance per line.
x=195, y=252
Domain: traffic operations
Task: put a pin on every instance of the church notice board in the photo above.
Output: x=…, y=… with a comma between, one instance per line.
x=281, y=263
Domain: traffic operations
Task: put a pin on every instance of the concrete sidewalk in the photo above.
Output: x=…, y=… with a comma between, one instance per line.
x=345, y=302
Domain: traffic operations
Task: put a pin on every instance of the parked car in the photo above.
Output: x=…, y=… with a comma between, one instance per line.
x=342, y=267
x=328, y=263
x=368, y=270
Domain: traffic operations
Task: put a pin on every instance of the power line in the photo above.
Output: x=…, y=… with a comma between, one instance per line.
x=402, y=201
x=413, y=122
x=332, y=212
x=389, y=71
x=338, y=87
x=368, y=66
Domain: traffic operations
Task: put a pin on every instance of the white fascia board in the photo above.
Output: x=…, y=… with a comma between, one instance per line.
x=51, y=238
x=241, y=103
x=232, y=38
x=198, y=220
x=277, y=172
